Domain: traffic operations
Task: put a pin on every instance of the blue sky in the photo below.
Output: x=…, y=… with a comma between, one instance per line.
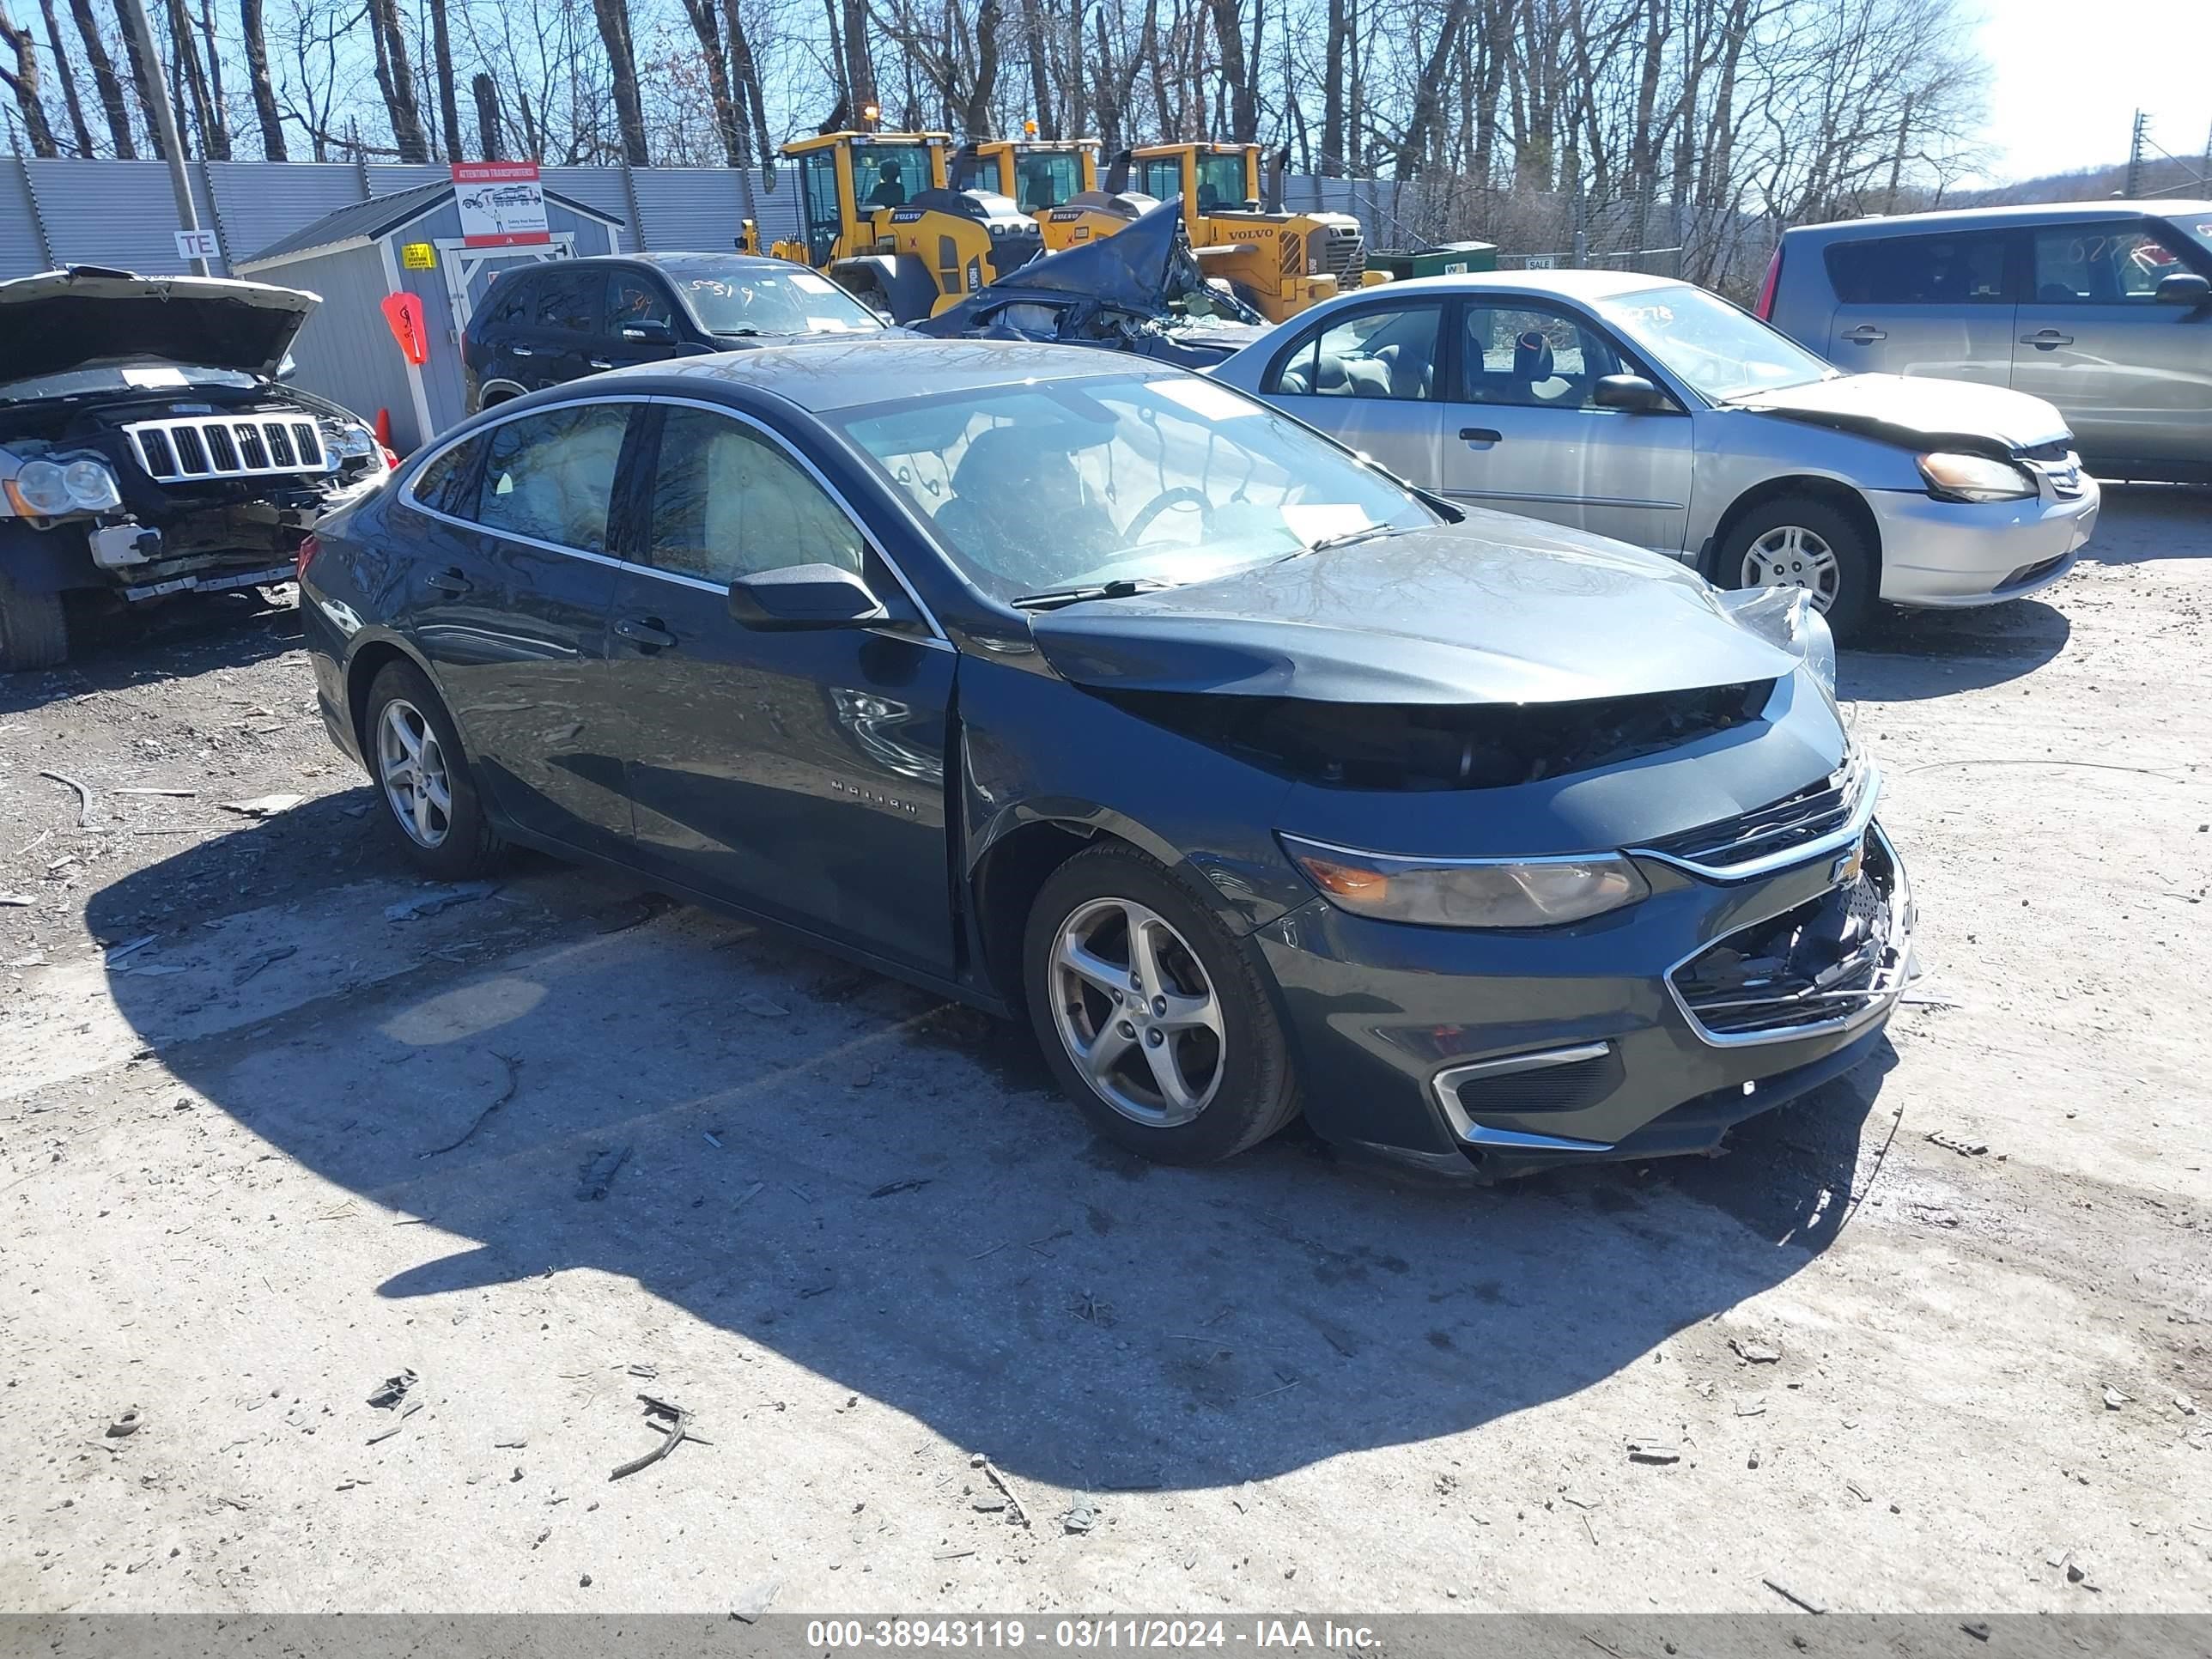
x=2068, y=76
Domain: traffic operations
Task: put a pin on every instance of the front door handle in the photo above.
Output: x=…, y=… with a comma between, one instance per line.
x=521, y=351
x=1866, y=334
x=645, y=631
x=448, y=582
x=2044, y=339
x=1481, y=434
x=599, y=362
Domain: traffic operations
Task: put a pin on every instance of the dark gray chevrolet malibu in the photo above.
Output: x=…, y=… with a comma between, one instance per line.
x=1096, y=694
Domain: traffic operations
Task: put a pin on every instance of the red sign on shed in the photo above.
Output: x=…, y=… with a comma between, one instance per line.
x=402, y=314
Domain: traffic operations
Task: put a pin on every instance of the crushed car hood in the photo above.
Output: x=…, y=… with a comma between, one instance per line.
x=1909, y=409
x=1494, y=609
x=63, y=320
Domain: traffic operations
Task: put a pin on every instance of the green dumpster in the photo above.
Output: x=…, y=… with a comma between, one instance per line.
x=1446, y=260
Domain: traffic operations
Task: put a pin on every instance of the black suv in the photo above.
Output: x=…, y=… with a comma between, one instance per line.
x=563, y=320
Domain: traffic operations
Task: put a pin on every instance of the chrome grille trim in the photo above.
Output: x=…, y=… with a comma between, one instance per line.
x=1825, y=818
x=194, y=449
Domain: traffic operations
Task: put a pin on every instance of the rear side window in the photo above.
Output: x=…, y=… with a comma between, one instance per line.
x=440, y=485
x=1965, y=268
x=551, y=476
x=513, y=302
x=2102, y=265
x=570, y=300
x=1372, y=354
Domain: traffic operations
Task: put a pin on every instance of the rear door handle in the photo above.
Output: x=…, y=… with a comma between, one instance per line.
x=2044, y=339
x=1481, y=434
x=448, y=582
x=521, y=351
x=644, y=630
x=599, y=362
x=1866, y=334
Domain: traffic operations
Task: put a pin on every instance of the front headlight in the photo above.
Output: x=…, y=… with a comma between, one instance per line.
x=1955, y=477
x=1788, y=617
x=1469, y=892
x=47, y=489
x=354, y=442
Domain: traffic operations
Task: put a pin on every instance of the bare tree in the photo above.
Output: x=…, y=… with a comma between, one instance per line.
x=254, y=42
x=104, y=81
x=23, y=82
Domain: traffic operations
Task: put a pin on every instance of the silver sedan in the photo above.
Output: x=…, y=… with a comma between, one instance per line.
x=1652, y=411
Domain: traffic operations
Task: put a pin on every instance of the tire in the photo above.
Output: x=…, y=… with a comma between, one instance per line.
x=1238, y=1088
x=33, y=631
x=453, y=842
x=1766, y=530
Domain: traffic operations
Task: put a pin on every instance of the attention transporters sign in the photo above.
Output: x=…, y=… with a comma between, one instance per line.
x=502, y=204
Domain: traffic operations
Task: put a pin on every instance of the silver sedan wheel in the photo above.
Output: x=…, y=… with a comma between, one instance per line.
x=1136, y=1013
x=410, y=764
x=1790, y=555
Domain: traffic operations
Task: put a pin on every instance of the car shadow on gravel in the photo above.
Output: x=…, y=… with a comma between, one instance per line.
x=111, y=647
x=884, y=1190
x=1911, y=654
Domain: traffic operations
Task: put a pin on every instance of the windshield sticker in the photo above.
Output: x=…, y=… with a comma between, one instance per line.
x=1317, y=522
x=807, y=280
x=1204, y=397
x=147, y=380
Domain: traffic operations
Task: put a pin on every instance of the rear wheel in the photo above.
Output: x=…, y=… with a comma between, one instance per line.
x=1150, y=1014
x=33, y=632
x=1800, y=542
x=430, y=794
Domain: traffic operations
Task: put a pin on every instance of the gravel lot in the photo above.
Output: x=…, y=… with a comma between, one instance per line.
x=1934, y=1338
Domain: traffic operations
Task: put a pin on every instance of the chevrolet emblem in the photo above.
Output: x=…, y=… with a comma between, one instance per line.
x=1848, y=866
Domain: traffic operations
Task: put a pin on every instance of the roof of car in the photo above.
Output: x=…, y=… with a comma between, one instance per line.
x=738, y=261
x=826, y=375
x=1578, y=283
x=2016, y=212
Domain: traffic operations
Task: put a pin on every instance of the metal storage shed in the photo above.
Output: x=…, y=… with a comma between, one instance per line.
x=407, y=242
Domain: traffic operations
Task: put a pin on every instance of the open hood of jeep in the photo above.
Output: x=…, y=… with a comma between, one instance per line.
x=1495, y=610
x=1918, y=412
x=63, y=320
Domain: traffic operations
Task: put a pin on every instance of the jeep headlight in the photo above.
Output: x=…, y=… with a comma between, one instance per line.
x=1542, y=892
x=1788, y=617
x=1958, y=477
x=353, y=442
x=48, y=490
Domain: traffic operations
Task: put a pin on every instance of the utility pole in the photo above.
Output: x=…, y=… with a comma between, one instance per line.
x=165, y=121
x=2135, y=152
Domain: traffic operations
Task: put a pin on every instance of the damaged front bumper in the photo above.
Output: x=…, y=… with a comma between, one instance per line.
x=213, y=549
x=1646, y=1033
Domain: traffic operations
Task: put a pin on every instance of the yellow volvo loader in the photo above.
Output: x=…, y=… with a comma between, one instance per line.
x=877, y=216
x=1278, y=261
x=1054, y=181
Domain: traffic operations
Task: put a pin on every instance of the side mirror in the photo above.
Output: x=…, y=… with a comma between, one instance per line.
x=649, y=328
x=1632, y=392
x=2185, y=288
x=805, y=595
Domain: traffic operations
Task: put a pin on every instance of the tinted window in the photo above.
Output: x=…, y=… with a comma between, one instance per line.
x=2101, y=264
x=513, y=299
x=633, y=299
x=440, y=483
x=728, y=503
x=551, y=476
x=1374, y=354
x=1163, y=179
x=570, y=300
x=1921, y=270
x=1531, y=355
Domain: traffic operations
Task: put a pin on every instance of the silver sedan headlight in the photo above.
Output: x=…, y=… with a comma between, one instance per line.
x=1788, y=617
x=48, y=490
x=1958, y=477
x=1469, y=892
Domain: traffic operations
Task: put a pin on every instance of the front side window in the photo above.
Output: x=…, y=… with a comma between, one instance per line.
x=1153, y=478
x=632, y=298
x=1952, y=269
x=727, y=502
x=1162, y=177
x=1699, y=337
x=551, y=476
x=818, y=191
x=570, y=301
x=1372, y=354
x=1531, y=355
x=2101, y=264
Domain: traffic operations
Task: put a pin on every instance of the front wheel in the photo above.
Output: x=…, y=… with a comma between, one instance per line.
x=1150, y=1014
x=430, y=795
x=1799, y=542
x=33, y=630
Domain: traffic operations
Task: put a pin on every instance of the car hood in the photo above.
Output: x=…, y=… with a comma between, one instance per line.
x=1493, y=609
x=63, y=320
x=1917, y=412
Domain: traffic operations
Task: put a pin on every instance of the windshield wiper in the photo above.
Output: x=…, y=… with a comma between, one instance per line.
x=1372, y=532
x=739, y=333
x=1053, y=597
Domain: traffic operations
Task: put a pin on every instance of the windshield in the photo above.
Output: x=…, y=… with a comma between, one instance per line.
x=736, y=304
x=1033, y=489
x=137, y=376
x=1721, y=352
x=1221, y=182
x=1045, y=180
x=888, y=175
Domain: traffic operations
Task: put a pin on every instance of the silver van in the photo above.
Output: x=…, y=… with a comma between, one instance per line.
x=2102, y=308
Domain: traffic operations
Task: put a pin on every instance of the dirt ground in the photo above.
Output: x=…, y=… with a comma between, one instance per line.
x=1934, y=1338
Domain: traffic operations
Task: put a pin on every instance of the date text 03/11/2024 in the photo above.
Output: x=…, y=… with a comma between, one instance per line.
x=1083, y=1635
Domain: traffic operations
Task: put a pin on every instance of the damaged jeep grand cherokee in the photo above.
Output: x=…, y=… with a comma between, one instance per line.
x=146, y=448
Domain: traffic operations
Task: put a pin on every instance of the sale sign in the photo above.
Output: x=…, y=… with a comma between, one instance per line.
x=502, y=204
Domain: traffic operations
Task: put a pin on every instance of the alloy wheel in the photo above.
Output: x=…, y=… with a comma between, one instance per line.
x=410, y=764
x=1133, y=1006
x=1790, y=555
